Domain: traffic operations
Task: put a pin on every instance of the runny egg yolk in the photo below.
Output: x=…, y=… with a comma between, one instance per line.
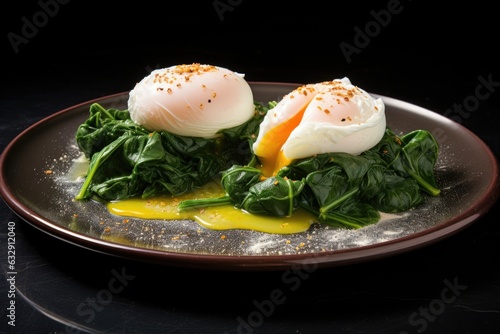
x=216, y=218
x=273, y=141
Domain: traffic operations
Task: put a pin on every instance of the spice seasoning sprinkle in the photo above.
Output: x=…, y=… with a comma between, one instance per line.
x=186, y=71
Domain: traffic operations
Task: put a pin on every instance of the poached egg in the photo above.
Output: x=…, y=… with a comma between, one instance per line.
x=325, y=117
x=194, y=100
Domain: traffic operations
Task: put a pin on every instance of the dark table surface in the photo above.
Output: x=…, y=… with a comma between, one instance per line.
x=61, y=53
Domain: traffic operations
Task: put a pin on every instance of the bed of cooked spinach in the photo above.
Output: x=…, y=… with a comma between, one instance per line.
x=342, y=190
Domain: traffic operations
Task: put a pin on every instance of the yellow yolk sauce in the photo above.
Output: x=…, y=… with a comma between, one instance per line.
x=224, y=217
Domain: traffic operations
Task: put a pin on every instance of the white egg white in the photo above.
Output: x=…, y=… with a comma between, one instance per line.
x=191, y=100
x=331, y=116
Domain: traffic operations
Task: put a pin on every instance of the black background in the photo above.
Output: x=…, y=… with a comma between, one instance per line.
x=425, y=53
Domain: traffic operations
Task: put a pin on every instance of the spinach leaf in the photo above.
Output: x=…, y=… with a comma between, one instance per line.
x=351, y=214
x=161, y=170
x=373, y=181
x=330, y=188
x=388, y=150
x=99, y=159
x=303, y=167
x=102, y=127
x=420, y=151
x=399, y=194
x=411, y=155
x=237, y=181
x=276, y=196
x=117, y=188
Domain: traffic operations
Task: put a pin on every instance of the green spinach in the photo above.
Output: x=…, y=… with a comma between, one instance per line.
x=340, y=189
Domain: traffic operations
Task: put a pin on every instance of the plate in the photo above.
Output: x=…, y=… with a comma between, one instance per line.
x=34, y=183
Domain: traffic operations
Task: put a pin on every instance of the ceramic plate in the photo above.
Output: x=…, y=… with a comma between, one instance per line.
x=34, y=184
